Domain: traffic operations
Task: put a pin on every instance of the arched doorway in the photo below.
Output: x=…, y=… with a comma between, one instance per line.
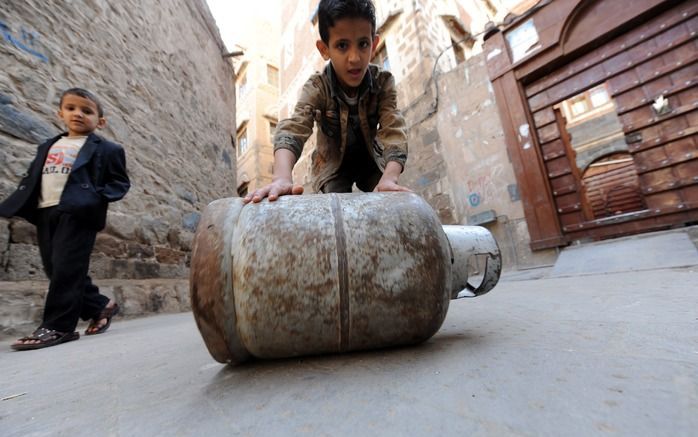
x=612, y=186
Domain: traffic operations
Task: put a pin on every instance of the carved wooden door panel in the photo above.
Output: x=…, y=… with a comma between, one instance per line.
x=632, y=102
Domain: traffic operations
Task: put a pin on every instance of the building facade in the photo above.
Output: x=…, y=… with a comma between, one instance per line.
x=257, y=85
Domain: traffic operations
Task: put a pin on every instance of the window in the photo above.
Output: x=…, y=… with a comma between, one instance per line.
x=381, y=58
x=242, y=86
x=587, y=104
x=242, y=141
x=491, y=10
x=272, y=130
x=314, y=15
x=462, y=41
x=598, y=96
x=272, y=76
x=458, y=52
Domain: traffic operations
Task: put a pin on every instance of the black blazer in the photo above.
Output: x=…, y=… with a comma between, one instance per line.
x=98, y=177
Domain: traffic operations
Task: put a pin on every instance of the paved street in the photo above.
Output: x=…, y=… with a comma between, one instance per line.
x=609, y=354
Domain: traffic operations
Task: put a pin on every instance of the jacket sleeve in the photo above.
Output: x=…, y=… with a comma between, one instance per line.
x=392, y=134
x=293, y=132
x=116, y=181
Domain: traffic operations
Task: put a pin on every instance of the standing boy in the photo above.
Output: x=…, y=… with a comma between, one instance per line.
x=65, y=193
x=349, y=100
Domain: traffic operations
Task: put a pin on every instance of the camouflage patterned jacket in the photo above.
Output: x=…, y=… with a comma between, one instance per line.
x=319, y=102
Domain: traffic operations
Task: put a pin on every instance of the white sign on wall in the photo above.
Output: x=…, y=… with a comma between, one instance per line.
x=522, y=40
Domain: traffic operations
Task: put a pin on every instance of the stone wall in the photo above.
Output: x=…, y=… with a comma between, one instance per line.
x=169, y=99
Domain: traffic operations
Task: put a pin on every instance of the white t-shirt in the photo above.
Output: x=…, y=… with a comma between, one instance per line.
x=57, y=167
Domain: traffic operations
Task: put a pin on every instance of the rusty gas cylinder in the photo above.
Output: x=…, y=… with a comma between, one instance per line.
x=328, y=273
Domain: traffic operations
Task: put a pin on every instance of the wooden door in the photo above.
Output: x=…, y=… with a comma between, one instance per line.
x=650, y=74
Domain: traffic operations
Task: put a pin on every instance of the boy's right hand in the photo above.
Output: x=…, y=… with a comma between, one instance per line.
x=278, y=187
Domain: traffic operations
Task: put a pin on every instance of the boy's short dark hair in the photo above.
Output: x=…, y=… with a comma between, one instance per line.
x=80, y=92
x=329, y=11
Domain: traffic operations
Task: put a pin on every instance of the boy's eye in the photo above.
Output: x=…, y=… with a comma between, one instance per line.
x=342, y=45
x=364, y=44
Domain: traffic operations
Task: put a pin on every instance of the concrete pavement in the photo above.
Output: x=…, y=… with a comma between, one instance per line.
x=613, y=354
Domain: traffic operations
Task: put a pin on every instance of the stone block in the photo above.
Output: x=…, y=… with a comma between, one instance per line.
x=183, y=295
x=23, y=232
x=110, y=246
x=174, y=271
x=166, y=255
x=140, y=251
x=185, y=194
x=190, y=221
x=142, y=297
x=21, y=306
x=100, y=266
x=120, y=268
x=482, y=218
x=124, y=226
x=186, y=239
x=164, y=299
x=154, y=231
x=132, y=298
x=22, y=302
x=144, y=269
x=24, y=263
x=173, y=237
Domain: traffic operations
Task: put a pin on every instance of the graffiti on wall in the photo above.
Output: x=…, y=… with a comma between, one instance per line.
x=482, y=188
x=27, y=41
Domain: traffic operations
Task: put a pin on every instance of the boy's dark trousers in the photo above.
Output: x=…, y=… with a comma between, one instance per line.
x=356, y=168
x=65, y=244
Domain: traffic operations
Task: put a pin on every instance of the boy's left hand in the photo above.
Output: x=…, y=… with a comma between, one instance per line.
x=388, y=181
x=389, y=185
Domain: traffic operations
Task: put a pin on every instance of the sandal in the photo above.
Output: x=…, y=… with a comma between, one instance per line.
x=107, y=313
x=46, y=338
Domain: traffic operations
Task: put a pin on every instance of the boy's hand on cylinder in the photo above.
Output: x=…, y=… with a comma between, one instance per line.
x=279, y=187
x=390, y=186
x=282, y=181
x=388, y=182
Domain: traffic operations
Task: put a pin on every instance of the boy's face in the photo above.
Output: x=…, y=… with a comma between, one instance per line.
x=80, y=115
x=350, y=48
